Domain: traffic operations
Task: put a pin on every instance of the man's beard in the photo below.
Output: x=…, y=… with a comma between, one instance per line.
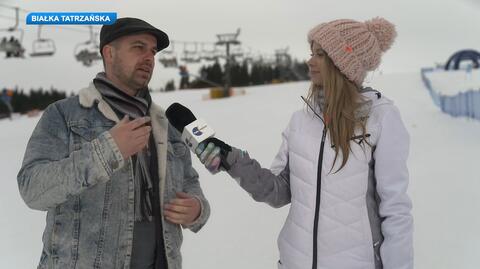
x=129, y=78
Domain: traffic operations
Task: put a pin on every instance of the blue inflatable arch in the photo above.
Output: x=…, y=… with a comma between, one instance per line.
x=454, y=62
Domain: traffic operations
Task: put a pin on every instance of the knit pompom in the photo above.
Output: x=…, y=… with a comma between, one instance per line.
x=383, y=30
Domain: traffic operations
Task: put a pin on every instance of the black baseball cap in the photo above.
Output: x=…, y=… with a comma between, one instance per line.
x=129, y=26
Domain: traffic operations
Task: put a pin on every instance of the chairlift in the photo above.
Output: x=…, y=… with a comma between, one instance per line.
x=191, y=56
x=248, y=55
x=264, y=60
x=282, y=57
x=228, y=40
x=42, y=46
x=211, y=53
x=237, y=52
x=89, y=51
x=11, y=45
x=168, y=57
x=219, y=52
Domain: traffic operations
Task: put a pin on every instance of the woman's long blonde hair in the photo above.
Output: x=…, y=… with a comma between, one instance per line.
x=342, y=100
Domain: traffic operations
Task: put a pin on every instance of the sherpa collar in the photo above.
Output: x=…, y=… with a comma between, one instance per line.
x=90, y=95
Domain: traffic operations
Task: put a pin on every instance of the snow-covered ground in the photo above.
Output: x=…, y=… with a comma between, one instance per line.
x=445, y=185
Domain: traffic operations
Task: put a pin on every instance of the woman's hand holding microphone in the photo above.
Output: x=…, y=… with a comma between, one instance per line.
x=213, y=154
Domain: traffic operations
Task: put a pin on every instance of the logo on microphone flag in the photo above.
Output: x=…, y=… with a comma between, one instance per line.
x=196, y=131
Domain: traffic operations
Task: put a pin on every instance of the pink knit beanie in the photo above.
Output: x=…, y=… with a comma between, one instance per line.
x=354, y=47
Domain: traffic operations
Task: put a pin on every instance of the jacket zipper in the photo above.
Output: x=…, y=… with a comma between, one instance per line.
x=317, y=203
x=319, y=186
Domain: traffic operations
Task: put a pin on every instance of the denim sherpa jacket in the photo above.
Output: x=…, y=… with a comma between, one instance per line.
x=74, y=170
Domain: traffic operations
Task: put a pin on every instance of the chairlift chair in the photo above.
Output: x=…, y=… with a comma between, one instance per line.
x=248, y=55
x=12, y=48
x=87, y=54
x=282, y=57
x=237, y=52
x=89, y=51
x=42, y=46
x=209, y=54
x=11, y=45
x=168, y=60
x=168, y=57
x=191, y=56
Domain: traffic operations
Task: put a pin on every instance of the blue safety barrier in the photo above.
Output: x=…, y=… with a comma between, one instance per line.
x=463, y=104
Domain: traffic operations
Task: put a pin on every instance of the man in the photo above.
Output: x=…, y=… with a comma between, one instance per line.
x=116, y=191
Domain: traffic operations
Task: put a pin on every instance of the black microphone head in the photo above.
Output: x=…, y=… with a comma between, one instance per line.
x=179, y=116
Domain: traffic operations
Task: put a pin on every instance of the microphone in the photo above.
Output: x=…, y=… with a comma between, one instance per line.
x=194, y=131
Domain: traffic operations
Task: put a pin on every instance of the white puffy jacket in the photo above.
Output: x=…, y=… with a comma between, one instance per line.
x=356, y=218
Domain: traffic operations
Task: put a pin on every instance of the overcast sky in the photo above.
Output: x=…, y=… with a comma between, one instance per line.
x=429, y=31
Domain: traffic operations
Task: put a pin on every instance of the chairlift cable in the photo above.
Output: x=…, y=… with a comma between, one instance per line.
x=13, y=7
x=7, y=17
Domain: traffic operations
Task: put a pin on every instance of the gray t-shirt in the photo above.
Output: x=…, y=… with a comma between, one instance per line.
x=144, y=245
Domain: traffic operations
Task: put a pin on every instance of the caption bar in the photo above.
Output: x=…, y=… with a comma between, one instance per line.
x=65, y=18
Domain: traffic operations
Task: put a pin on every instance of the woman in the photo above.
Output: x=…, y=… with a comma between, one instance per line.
x=342, y=162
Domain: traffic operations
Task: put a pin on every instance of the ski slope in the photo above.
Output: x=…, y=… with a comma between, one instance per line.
x=444, y=180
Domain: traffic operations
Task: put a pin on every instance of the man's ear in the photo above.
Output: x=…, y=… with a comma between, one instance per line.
x=108, y=52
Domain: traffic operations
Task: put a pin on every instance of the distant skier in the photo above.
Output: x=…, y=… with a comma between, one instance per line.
x=184, y=77
x=6, y=98
x=342, y=164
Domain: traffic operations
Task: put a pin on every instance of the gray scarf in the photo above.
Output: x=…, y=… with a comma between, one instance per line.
x=135, y=107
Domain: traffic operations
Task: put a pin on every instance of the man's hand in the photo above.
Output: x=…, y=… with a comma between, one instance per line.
x=131, y=136
x=184, y=209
